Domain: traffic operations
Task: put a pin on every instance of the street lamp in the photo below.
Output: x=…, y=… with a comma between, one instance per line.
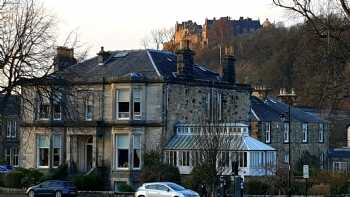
x=289, y=98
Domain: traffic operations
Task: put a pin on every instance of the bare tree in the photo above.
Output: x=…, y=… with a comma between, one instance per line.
x=158, y=37
x=26, y=45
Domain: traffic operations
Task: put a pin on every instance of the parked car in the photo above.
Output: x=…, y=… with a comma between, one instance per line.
x=5, y=168
x=56, y=188
x=164, y=189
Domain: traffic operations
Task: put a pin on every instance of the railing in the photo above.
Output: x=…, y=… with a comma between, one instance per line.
x=225, y=128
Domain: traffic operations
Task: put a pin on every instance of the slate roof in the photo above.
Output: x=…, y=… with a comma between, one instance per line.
x=271, y=109
x=133, y=65
x=238, y=143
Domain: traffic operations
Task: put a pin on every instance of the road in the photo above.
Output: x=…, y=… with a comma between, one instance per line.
x=12, y=195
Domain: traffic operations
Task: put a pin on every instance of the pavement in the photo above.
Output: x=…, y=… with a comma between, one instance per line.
x=12, y=195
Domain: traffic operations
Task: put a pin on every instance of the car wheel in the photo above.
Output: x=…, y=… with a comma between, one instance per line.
x=58, y=194
x=141, y=196
x=31, y=193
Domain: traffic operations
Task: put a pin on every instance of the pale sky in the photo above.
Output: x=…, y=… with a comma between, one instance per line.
x=121, y=24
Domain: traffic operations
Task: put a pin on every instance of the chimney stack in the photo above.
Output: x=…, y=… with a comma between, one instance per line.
x=229, y=66
x=64, y=58
x=261, y=91
x=184, y=59
x=102, y=56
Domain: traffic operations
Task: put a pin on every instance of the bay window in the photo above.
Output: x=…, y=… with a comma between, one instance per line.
x=137, y=151
x=43, y=146
x=123, y=104
x=122, y=150
x=137, y=103
x=184, y=158
x=171, y=158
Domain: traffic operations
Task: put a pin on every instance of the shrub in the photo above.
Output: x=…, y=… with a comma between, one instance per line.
x=59, y=173
x=256, y=187
x=123, y=187
x=14, y=179
x=89, y=182
x=31, y=177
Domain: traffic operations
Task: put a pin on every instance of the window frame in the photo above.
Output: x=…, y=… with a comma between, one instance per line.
x=267, y=132
x=305, y=132
x=286, y=132
x=133, y=151
x=38, y=147
x=321, y=133
x=117, y=148
x=136, y=117
x=53, y=151
x=15, y=157
x=87, y=104
x=117, y=104
x=11, y=128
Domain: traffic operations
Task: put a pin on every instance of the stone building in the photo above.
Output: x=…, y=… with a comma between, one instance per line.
x=102, y=114
x=309, y=134
x=205, y=35
x=9, y=126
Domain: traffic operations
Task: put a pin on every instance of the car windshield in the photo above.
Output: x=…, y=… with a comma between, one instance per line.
x=175, y=187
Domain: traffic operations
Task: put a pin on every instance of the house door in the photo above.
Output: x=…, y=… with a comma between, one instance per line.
x=89, y=153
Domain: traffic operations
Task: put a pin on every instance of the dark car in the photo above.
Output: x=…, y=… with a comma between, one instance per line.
x=55, y=188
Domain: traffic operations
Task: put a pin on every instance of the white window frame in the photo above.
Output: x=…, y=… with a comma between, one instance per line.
x=305, y=132
x=219, y=104
x=134, y=100
x=117, y=104
x=321, y=133
x=185, y=158
x=8, y=156
x=286, y=158
x=38, y=152
x=286, y=132
x=139, y=149
x=11, y=128
x=116, y=151
x=268, y=132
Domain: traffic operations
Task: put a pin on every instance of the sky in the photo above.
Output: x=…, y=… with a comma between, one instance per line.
x=122, y=24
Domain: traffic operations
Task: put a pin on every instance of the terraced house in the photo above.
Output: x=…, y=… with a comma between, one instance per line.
x=102, y=114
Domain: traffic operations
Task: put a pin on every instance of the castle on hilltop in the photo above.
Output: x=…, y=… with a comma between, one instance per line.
x=201, y=36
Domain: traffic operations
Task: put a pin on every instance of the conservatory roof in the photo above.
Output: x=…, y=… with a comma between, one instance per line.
x=237, y=143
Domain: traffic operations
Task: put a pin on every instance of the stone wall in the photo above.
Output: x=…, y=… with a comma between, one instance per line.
x=313, y=146
x=189, y=104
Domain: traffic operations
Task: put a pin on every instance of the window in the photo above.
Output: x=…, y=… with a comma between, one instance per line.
x=8, y=156
x=137, y=103
x=14, y=156
x=286, y=133
x=57, y=145
x=57, y=108
x=171, y=157
x=286, y=158
x=137, y=151
x=268, y=132
x=321, y=133
x=242, y=159
x=122, y=150
x=11, y=128
x=44, y=107
x=123, y=108
x=43, y=145
x=322, y=160
x=225, y=159
x=184, y=158
x=305, y=134
x=219, y=105
x=88, y=105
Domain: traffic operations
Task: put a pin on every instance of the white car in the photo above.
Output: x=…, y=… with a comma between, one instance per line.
x=164, y=189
